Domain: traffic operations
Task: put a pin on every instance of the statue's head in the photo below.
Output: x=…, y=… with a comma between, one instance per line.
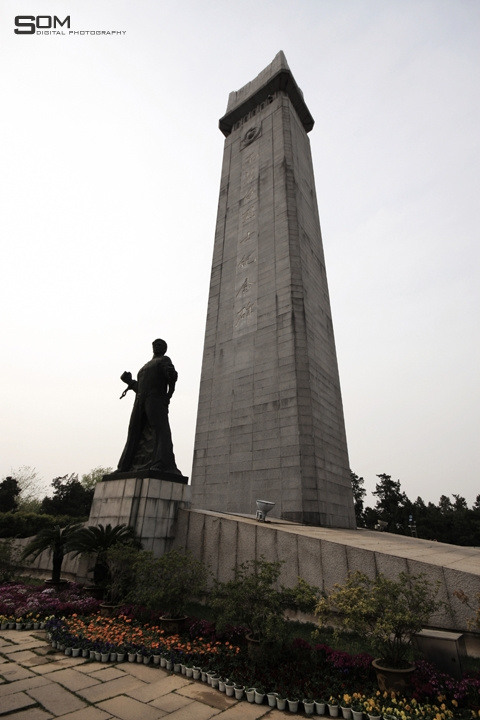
x=159, y=347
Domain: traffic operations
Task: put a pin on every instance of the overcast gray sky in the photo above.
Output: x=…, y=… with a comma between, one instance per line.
x=110, y=159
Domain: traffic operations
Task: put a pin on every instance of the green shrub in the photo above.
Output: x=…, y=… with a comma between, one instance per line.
x=167, y=583
x=388, y=612
x=253, y=599
x=26, y=524
x=9, y=561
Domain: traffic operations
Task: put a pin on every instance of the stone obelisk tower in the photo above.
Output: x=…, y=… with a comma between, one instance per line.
x=270, y=420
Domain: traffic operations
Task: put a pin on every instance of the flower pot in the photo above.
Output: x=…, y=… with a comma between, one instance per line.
x=146, y=659
x=120, y=657
x=197, y=673
x=392, y=679
x=259, y=697
x=85, y=652
x=188, y=672
x=68, y=651
x=374, y=717
x=19, y=626
x=229, y=689
x=281, y=703
x=108, y=610
x=132, y=657
x=113, y=657
x=3, y=626
x=292, y=705
x=76, y=652
x=94, y=591
x=58, y=584
x=272, y=699
x=98, y=656
x=346, y=712
x=320, y=707
x=91, y=654
x=221, y=685
x=156, y=659
x=163, y=661
x=177, y=667
x=333, y=710
x=173, y=626
x=250, y=693
x=357, y=714
x=238, y=691
x=214, y=681
x=139, y=657
x=309, y=707
x=105, y=657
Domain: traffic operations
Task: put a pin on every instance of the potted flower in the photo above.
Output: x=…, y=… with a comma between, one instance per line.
x=373, y=708
x=357, y=706
x=308, y=705
x=346, y=705
x=332, y=703
x=389, y=613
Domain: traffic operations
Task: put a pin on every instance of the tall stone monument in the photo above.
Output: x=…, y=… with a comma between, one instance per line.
x=270, y=421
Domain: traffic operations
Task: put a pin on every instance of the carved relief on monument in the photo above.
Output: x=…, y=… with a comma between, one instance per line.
x=245, y=300
x=252, y=134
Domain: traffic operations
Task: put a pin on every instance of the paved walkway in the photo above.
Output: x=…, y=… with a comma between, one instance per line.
x=38, y=683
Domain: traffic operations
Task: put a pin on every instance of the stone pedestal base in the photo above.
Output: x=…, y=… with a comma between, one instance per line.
x=149, y=505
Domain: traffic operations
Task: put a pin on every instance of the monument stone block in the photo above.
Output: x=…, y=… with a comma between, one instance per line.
x=270, y=418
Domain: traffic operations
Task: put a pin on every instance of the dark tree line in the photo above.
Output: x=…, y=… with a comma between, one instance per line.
x=70, y=497
x=450, y=521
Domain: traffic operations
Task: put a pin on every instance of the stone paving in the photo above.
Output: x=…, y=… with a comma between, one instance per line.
x=39, y=683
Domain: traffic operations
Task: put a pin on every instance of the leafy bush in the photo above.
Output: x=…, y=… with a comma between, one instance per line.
x=167, y=583
x=253, y=599
x=121, y=561
x=389, y=612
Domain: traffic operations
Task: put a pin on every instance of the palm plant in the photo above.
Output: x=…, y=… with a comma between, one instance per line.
x=96, y=540
x=55, y=539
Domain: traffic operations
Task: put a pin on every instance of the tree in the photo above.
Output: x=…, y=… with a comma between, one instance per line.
x=89, y=480
x=359, y=493
x=55, y=539
x=69, y=498
x=9, y=492
x=96, y=541
x=30, y=484
x=392, y=505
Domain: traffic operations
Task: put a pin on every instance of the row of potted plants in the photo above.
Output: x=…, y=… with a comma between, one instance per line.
x=229, y=667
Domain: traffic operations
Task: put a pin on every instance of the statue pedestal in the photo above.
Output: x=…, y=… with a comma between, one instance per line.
x=148, y=504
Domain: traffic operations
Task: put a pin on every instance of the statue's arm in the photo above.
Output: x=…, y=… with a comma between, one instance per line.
x=172, y=375
x=131, y=384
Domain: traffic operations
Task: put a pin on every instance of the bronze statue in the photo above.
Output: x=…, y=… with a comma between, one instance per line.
x=149, y=442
